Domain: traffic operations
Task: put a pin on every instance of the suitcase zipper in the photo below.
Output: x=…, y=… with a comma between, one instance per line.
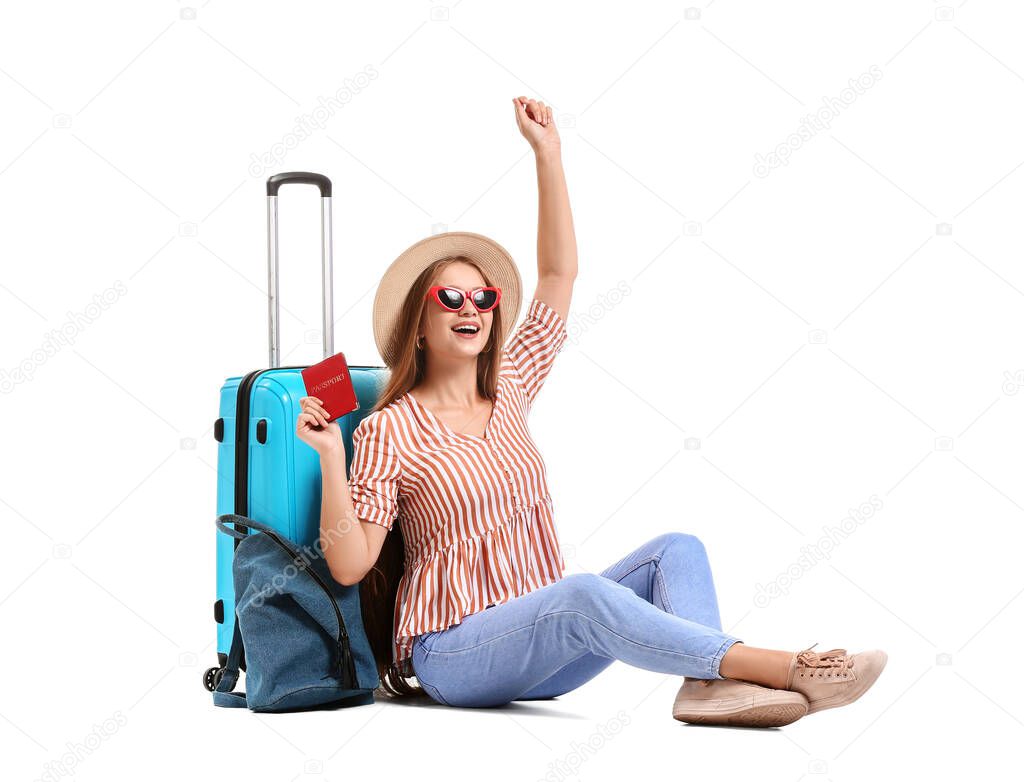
x=242, y=440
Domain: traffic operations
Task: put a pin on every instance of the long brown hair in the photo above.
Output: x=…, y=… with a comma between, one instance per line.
x=378, y=591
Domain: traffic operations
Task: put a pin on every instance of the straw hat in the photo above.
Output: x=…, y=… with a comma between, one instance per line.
x=494, y=259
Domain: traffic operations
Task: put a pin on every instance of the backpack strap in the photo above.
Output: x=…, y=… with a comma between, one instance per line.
x=236, y=520
x=223, y=695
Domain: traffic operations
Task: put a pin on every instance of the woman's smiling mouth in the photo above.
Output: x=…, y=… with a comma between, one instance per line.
x=466, y=330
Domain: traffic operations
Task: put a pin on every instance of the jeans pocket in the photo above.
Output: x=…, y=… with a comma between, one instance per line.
x=426, y=640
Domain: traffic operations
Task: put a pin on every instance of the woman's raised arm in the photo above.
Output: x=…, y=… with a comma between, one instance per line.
x=556, y=239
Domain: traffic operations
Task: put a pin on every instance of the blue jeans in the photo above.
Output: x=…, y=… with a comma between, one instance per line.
x=654, y=609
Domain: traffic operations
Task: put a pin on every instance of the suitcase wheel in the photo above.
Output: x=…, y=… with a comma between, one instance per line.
x=212, y=678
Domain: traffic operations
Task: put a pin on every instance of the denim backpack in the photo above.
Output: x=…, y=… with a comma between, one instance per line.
x=298, y=631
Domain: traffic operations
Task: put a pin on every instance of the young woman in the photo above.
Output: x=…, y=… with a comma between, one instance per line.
x=468, y=594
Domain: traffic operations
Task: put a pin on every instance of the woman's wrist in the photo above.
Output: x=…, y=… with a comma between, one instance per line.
x=333, y=454
x=549, y=153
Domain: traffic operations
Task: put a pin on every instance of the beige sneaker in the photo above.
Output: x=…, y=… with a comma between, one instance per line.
x=833, y=678
x=734, y=702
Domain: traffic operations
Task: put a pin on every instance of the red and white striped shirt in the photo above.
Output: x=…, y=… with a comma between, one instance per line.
x=476, y=512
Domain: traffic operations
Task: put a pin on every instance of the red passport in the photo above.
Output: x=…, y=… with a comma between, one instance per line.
x=331, y=383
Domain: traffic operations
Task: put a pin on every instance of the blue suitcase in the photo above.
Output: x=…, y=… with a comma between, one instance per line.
x=263, y=470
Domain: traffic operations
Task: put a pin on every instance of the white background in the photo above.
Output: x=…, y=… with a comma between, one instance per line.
x=815, y=331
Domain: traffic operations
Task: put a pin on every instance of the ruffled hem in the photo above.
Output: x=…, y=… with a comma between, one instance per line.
x=464, y=578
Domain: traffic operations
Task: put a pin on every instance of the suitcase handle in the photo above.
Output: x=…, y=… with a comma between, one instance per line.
x=299, y=177
x=327, y=251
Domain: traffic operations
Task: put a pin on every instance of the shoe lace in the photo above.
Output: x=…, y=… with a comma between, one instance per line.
x=834, y=662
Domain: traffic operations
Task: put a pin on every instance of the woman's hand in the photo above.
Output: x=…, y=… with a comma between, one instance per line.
x=312, y=427
x=537, y=124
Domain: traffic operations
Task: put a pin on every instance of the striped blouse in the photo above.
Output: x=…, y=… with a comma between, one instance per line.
x=476, y=512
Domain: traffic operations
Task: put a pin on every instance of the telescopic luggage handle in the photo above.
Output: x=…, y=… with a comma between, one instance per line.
x=327, y=250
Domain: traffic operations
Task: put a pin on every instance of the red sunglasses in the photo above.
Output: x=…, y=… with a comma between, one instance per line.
x=452, y=299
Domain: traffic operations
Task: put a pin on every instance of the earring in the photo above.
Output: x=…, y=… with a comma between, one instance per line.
x=419, y=345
